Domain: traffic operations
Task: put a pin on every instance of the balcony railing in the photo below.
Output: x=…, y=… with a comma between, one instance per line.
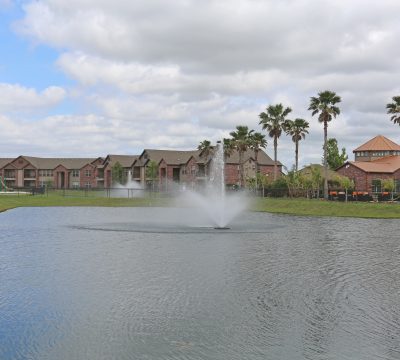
x=9, y=175
x=29, y=175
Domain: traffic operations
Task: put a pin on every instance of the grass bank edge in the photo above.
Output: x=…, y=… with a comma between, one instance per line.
x=321, y=208
x=298, y=207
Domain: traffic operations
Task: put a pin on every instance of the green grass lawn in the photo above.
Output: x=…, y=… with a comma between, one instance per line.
x=283, y=206
x=327, y=208
x=76, y=199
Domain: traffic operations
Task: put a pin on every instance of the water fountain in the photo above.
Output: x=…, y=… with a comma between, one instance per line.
x=219, y=206
x=217, y=186
x=131, y=188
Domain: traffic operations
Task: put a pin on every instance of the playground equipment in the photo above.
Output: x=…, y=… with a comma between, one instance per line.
x=3, y=186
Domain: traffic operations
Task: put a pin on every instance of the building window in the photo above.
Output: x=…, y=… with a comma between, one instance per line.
x=75, y=184
x=88, y=185
x=397, y=186
x=46, y=173
x=29, y=174
x=9, y=174
x=376, y=186
x=88, y=173
x=75, y=173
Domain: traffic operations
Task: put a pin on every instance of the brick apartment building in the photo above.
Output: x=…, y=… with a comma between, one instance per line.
x=376, y=160
x=184, y=167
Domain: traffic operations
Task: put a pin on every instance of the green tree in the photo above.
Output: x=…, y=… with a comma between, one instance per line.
x=297, y=129
x=228, y=148
x=152, y=173
x=345, y=183
x=118, y=173
x=393, y=108
x=206, y=150
x=316, y=179
x=296, y=183
x=273, y=121
x=334, y=158
x=240, y=141
x=389, y=185
x=325, y=106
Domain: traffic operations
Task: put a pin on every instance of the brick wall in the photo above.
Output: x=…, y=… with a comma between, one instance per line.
x=232, y=174
x=362, y=179
x=269, y=170
x=188, y=176
x=85, y=178
x=359, y=177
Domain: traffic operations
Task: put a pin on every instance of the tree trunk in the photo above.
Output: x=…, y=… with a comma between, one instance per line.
x=275, y=158
x=325, y=160
x=297, y=155
x=256, y=159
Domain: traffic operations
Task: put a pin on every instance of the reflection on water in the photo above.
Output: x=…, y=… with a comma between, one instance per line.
x=97, y=283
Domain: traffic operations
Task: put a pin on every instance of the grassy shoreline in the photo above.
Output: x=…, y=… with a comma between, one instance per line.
x=301, y=207
x=8, y=202
x=305, y=207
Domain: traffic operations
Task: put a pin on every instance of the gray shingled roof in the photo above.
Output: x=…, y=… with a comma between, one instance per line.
x=306, y=171
x=263, y=158
x=171, y=157
x=124, y=160
x=5, y=161
x=51, y=163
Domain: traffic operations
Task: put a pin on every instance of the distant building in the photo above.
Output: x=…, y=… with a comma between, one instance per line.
x=105, y=168
x=376, y=148
x=191, y=168
x=376, y=160
x=27, y=171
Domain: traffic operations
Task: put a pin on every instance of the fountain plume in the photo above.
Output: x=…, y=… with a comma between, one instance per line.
x=219, y=206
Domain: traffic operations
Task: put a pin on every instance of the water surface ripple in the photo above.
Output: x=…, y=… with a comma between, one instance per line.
x=111, y=283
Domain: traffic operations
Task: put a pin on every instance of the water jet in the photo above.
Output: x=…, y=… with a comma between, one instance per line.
x=213, y=201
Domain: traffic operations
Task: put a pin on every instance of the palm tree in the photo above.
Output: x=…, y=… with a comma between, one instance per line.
x=324, y=105
x=228, y=148
x=240, y=141
x=257, y=142
x=206, y=150
x=273, y=121
x=394, y=109
x=297, y=129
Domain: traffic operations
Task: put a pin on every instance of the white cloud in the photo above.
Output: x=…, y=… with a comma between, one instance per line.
x=15, y=97
x=169, y=74
x=222, y=36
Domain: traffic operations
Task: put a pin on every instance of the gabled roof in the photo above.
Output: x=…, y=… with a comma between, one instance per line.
x=378, y=143
x=4, y=162
x=262, y=159
x=126, y=161
x=307, y=171
x=52, y=163
x=388, y=164
x=171, y=157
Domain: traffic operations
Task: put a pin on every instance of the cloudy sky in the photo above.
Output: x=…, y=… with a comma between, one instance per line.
x=92, y=77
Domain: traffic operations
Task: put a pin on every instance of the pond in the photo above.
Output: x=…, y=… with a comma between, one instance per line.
x=152, y=283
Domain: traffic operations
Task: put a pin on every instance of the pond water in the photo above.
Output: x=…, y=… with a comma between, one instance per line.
x=129, y=283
